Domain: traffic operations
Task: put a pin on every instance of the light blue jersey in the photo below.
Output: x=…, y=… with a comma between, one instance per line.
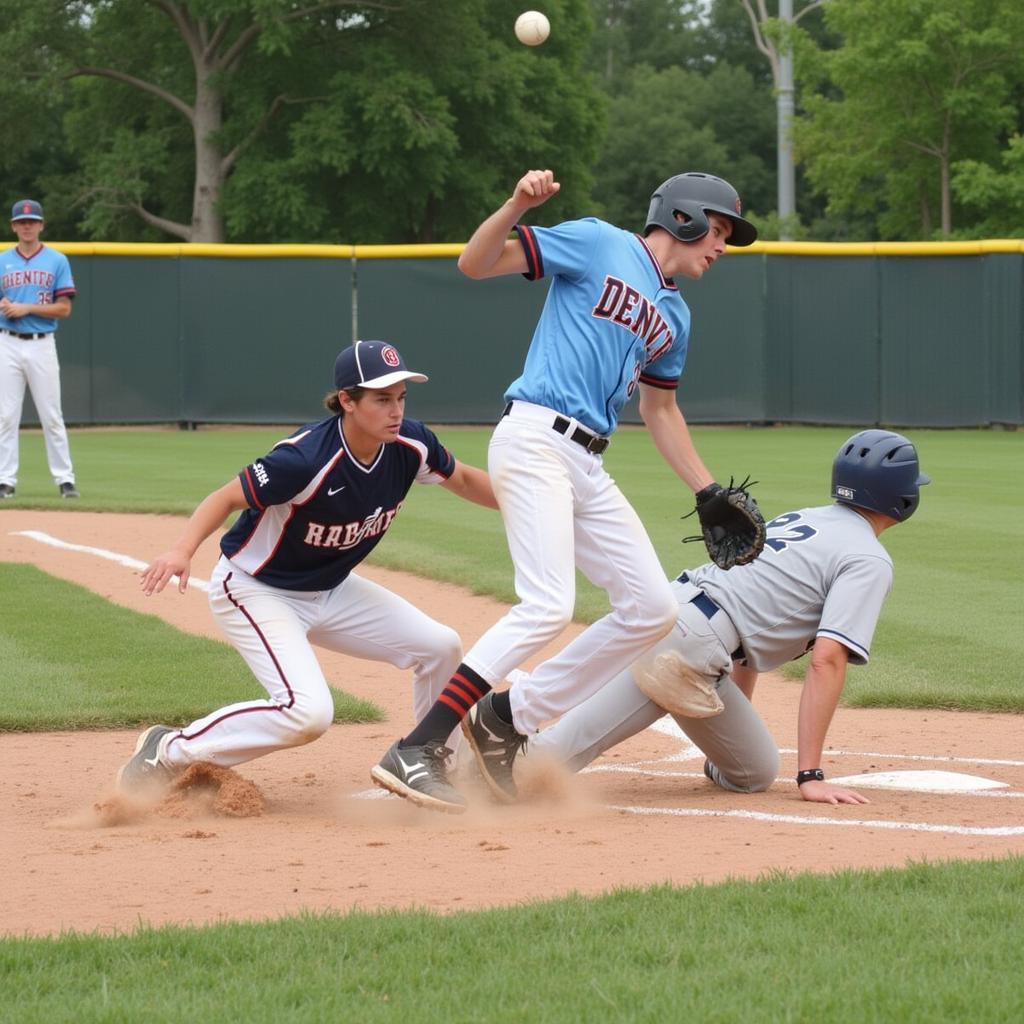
x=611, y=319
x=38, y=279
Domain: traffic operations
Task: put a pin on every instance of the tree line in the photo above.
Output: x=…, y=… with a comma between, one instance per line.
x=409, y=120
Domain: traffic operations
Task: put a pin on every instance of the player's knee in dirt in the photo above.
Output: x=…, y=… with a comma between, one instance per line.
x=310, y=719
x=752, y=773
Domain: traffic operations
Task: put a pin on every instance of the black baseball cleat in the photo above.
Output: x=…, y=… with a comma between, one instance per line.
x=68, y=490
x=6, y=491
x=495, y=745
x=145, y=771
x=420, y=775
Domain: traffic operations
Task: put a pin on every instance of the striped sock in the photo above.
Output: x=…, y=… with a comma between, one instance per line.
x=464, y=689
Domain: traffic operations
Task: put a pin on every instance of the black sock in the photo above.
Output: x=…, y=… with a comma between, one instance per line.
x=464, y=689
x=502, y=704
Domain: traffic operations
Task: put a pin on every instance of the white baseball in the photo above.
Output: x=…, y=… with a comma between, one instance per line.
x=532, y=28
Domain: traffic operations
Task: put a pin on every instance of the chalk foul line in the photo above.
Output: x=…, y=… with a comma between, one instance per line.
x=111, y=556
x=798, y=819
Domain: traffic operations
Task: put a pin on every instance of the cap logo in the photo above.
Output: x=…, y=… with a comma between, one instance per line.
x=739, y=208
x=390, y=356
x=26, y=208
x=844, y=492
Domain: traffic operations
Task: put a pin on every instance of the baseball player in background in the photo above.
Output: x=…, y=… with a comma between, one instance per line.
x=36, y=288
x=818, y=587
x=613, y=324
x=312, y=509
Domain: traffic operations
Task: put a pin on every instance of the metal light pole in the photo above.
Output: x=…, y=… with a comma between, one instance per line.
x=784, y=107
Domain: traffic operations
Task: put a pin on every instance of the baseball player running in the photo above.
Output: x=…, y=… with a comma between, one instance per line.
x=312, y=509
x=613, y=324
x=818, y=587
x=36, y=288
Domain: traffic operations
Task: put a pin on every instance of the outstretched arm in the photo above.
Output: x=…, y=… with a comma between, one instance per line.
x=472, y=484
x=823, y=687
x=208, y=516
x=490, y=252
x=671, y=436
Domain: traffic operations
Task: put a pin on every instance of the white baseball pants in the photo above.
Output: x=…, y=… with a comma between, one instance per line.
x=562, y=511
x=32, y=362
x=274, y=630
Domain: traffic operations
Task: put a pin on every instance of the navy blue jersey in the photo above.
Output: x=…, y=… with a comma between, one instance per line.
x=315, y=511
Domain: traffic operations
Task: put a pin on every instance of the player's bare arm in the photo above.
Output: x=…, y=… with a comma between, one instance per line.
x=471, y=483
x=822, y=689
x=745, y=678
x=208, y=516
x=490, y=252
x=671, y=436
x=57, y=310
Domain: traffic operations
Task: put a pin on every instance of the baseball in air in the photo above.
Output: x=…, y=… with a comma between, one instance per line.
x=532, y=28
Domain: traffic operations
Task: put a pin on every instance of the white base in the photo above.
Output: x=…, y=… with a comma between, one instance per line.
x=920, y=782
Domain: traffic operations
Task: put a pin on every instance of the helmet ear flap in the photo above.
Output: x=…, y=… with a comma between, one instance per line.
x=662, y=214
x=696, y=225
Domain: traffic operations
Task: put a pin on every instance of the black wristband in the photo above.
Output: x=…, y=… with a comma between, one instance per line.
x=810, y=775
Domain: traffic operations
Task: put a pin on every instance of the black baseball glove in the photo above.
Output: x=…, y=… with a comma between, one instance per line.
x=732, y=526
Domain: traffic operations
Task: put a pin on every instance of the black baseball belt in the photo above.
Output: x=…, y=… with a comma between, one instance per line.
x=594, y=443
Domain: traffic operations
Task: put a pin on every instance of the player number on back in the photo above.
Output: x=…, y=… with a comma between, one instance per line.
x=794, y=531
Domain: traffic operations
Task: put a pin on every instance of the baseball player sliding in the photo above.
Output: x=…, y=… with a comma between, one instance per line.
x=613, y=324
x=312, y=509
x=818, y=587
x=36, y=289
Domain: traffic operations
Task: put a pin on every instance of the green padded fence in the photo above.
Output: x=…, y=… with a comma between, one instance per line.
x=893, y=333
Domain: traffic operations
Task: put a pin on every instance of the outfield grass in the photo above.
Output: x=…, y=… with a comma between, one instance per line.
x=932, y=944
x=951, y=633
x=97, y=665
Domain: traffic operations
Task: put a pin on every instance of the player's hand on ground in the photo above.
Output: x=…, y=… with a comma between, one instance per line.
x=535, y=188
x=162, y=570
x=827, y=793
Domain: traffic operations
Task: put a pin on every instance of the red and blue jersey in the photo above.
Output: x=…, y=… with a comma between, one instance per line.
x=315, y=511
x=611, y=319
x=38, y=279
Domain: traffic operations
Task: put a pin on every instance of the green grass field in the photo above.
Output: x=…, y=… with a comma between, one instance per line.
x=929, y=943
x=935, y=943
x=948, y=632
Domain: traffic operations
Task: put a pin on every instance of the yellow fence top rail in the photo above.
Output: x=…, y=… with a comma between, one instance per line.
x=452, y=250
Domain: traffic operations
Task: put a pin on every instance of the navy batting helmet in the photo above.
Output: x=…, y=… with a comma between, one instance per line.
x=696, y=195
x=878, y=470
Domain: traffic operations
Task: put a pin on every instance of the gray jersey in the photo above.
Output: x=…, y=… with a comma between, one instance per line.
x=823, y=572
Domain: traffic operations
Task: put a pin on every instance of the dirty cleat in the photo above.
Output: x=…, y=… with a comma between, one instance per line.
x=495, y=744
x=6, y=491
x=68, y=490
x=419, y=774
x=145, y=769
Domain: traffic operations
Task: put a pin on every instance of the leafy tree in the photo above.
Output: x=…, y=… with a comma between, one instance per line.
x=316, y=121
x=717, y=123
x=994, y=194
x=916, y=87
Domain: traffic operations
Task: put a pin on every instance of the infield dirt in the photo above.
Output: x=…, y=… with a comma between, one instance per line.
x=305, y=830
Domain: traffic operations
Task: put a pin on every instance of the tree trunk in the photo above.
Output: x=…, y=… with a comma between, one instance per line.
x=947, y=202
x=207, y=222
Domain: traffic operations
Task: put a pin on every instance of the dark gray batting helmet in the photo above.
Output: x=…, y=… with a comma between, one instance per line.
x=878, y=470
x=696, y=194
